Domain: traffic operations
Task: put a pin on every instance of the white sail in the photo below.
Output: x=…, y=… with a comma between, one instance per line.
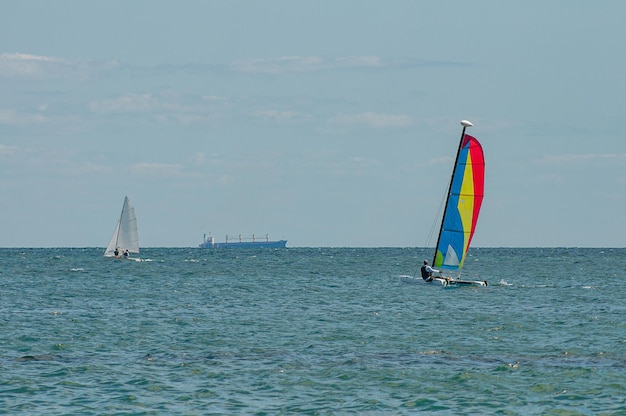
x=451, y=259
x=125, y=236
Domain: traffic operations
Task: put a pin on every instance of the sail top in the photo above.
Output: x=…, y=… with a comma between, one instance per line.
x=464, y=201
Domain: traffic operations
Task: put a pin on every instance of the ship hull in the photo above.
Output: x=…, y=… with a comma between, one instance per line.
x=246, y=244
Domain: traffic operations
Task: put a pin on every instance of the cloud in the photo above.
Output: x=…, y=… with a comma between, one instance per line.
x=21, y=65
x=293, y=64
x=280, y=65
x=7, y=150
x=39, y=68
x=552, y=178
x=87, y=168
x=213, y=98
x=363, y=162
x=298, y=64
x=570, y=159
x=443, y=160
x=128, y=103
x=156, y=169
x=163, y=108
x=182, y=109
x=12, y=117
x=198, y=158
x=189, y=119
x=359, y=62
x=374, y=119
x=275, y=114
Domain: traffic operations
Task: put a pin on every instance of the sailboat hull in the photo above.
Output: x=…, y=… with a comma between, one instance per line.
x=457, y=282
x=417, y=280
x=441, y=281
x=137, y=259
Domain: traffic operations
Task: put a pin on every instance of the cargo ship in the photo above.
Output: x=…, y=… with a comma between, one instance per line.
x=240, y=242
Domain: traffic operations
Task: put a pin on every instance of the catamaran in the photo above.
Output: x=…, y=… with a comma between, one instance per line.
x=463, y=202
x=125, y=239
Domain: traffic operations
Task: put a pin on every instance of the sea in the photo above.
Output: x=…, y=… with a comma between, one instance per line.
x=313, y=331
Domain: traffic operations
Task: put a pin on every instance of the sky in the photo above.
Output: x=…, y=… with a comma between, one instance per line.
x=326, y=123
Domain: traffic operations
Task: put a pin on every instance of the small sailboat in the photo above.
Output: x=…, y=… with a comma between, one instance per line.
x=463, y=202
x=125, y=239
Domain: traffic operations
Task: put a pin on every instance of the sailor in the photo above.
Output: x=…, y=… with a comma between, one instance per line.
x=116, y=252
x=427, y=272
x=126, y=253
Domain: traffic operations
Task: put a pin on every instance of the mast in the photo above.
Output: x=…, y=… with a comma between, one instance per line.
x=465, y=124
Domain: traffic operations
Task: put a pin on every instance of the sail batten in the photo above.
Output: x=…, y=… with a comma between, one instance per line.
x=463, y=205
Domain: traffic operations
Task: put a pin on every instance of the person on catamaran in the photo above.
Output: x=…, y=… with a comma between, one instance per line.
x=126, y=253
x=116, y=252
x=427, y=272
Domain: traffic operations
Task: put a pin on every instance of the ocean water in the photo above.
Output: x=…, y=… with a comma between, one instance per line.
x=316, y=331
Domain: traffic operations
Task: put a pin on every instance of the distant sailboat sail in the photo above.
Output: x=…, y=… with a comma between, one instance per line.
x=465, y=196
x=125, y=236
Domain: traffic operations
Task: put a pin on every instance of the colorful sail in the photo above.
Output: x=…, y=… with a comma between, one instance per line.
x=464, y=200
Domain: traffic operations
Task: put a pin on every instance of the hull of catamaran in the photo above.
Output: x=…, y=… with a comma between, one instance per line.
x=445, y=282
